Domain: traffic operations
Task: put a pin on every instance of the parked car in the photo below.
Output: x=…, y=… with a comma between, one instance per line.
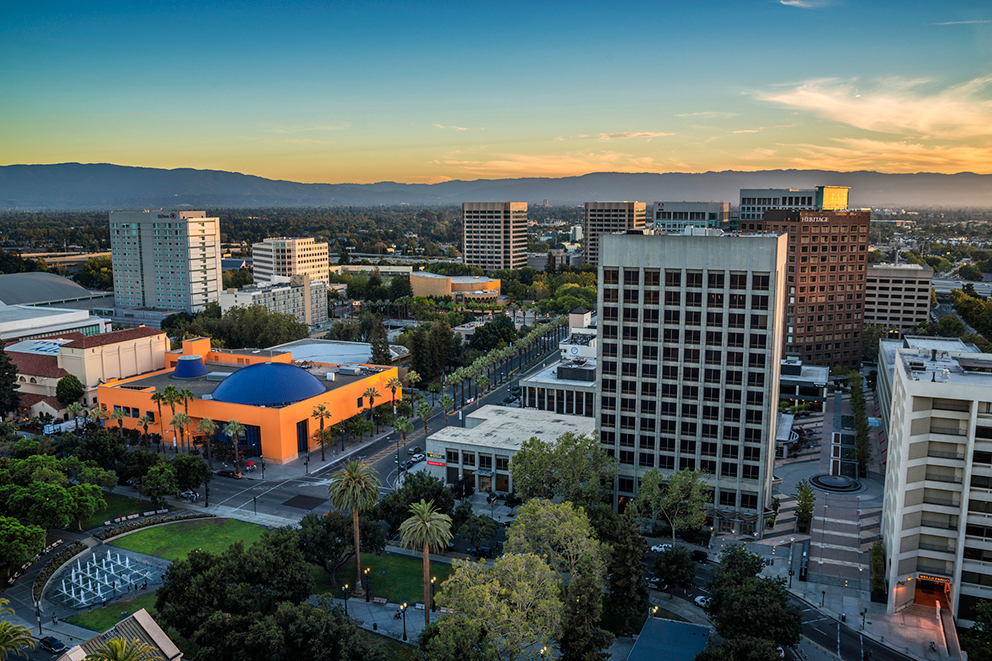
x=234, y=475
x=661, y=548
x=699, y=556
x=702, y=601
x=404, y=464
x=781, y=652
x=415, y=449
x=420, y=456
x=481, y=552
x=52, y=644
x=656, y=584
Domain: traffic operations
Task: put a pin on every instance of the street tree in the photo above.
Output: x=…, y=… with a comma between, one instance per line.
x=14, y=638
x=573, y=468
x=426, y=529
x=456, y=639
x=233, y=430
x=805, y=502
x=373, y=395
x=180, y=422
x=681, y=502
x=447, y=404
x=394, y=508
x=517, y=601
x=10, y=400
x=558, y=532
x=977, y=640
x=190, y=471
x=355, y=489
x=320, y=413
x=757, y=607
x=143, y=422
x=329, y=541
x=207, y=428
x=477, y=529
x=628, y=593
x=158, y=482
x=582, y=639
x=394, y=385
x=424, y=410
x=674, y=568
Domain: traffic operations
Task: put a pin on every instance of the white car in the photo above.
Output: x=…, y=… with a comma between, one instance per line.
x=702, y=601
x=661, y=548
x=420, y=456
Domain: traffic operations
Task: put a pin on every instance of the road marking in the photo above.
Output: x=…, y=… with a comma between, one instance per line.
x=820, y=630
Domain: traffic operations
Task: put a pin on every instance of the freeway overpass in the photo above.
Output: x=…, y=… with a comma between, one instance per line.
x=944, y=286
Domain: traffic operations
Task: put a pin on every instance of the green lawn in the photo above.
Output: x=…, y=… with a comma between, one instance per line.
x=174, y=542
x=394, y=649
x=396, y=577
x=116, y=506
x=101, y=619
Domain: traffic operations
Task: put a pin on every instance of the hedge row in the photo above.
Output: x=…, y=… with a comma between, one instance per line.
x=63, y=557
x=114, y=531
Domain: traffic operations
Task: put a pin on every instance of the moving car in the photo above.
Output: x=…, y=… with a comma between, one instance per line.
x=52, y=644
x=702, y=601
x=661, y=548
x=231, y=474
x=415, y=449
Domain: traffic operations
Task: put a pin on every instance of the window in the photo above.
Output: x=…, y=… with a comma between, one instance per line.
x=652, y=278
x=694, y=299
x=611, y=295
x=452, y=456
x=738, y=281
x=728, y=498
x=673, y=278
x=694, y=279
x=673, y=298
x=751, y=472
x=714, y=319
x=611, y=276
x=715, y=280
x=759, y=282
x=759, y=302
x=693, y=317
x=728, y=469
x=486, y=461
x=502, y=463
x=468, y=458
x=631, y=277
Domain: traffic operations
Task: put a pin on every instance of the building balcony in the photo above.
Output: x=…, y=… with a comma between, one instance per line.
x=939, y=454
x=942, y=502
x=937, y=569
x=938, y=548
x=939, y=525
x=947, y=479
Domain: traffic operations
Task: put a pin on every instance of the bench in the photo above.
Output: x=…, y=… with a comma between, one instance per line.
x=419, y=605
x=382, y=601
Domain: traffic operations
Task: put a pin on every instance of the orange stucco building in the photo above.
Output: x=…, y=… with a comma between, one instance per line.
x=262, y=389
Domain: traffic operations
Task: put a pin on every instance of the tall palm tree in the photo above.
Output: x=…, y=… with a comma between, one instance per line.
x=159, y=399
x=119, y=649
x=73, y=411
x=98, y=414
x=426, y=528
x=404, y=427
x=171, y=397
x=143, y=422
x=483, y=383
x=454, y=379
x=233, y=430
x=14, y=638
x=187, y=395
x=208, y=428
x=119, y=416
x=447, y=403
x=180, y=422
x=424, y=410
x=321, y=413
x=373, y=395
x=412, y=378
x=394, y=386
x=355, y=488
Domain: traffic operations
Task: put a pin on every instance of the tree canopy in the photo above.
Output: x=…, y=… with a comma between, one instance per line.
x=573, y=468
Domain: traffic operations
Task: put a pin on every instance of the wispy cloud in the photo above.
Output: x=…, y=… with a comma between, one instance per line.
x=758, y=130
x=624, y=136
x=451, y=128
x=569, y=164
x=898, y=106
x=707, y=113
x=984, y=20
x=898, y=156
x=804, y=4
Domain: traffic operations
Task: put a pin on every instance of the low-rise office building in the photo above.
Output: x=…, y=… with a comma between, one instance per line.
x=482, y=450
x=298, y=295
x=567, y=386
x=803, y=384
x=459, y=288
x=897, y=295
x=286, y=257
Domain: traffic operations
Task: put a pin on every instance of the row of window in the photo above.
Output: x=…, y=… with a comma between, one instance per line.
x=693, y=279
x=485, y=460
x=726, y=498
x=726, y=433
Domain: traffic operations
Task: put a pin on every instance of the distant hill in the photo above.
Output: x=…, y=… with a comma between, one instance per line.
x=71, y=186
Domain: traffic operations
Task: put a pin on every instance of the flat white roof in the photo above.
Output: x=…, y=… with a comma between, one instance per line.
x=336, y=352
x=505, y=428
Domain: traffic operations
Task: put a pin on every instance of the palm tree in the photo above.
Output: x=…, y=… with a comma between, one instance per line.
x=447, y=403
x=119, y=649
x=208, y=428
x=355, y=488
x=119, y=416
x=187, y=395
x=233, y=430
x=341, y=430
x=412, y=378
x=171, y=397
x=483, y=383
x=394, y=385
x=73, y=411
x=403, y=426
x=98, y=414
x=456, y=377
x=180, y=422
x=426, y=528
x=143, y=422
x=321, y=413
x=424, y=410
x=159, y=399
x=14, y=638
x=373, y=395
x=434, y=389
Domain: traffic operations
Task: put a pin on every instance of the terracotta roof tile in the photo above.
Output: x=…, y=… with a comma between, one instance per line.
x=29, y=399
x=30, y=364
x=114, y=336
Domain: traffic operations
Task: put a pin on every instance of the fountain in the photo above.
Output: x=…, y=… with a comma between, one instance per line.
x=100, y=577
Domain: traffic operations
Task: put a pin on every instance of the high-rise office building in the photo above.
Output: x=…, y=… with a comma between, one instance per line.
x=688, y=363
x=610, y=218
x=897, y=295
x=286, y=257
x=756, y=201
x=494, y=235
x=165, y=259
x=937, y=512
x=828, y=253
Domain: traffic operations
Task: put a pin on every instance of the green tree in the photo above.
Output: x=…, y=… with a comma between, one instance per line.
x=424, y=410
x=681, y=501
x=628, y=595
x=373, y=395
x=180, y=422
x=18, y=542
x=143, y=422
x=190, y=471
x=207, y=428
x=43, y=504
x=10, y=401
x=381, y=355
x=740, y=649
x=477, y=529
x=969, y=272
x=394, y=385
x=68, y=390
x=233, y=430
x=675, y=568
x=805, y=501
x=426, y=528
x=320, y=413
x=447, y=404
x=87, y=500
x=355, y=489
x=977, y=640
x=329, y=541
x=558, y=532
x=456, y=639
x=755, y=606
x=582, y=639
x=517, y=601
x=118, y=415
x=14, y=639
x=120, y=649
x=158, y=482
x=394, y=508
x=574, y=468
x=870, y=337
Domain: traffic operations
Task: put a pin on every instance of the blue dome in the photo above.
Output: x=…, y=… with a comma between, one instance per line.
x=268, y=384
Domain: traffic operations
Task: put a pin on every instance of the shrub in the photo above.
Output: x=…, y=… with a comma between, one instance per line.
x=114, y=531
x=877, y=563
x=60, y=559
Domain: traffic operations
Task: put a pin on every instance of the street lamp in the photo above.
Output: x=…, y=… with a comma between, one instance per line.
x=543, y=650
x=306, y=462
x=403, y=610
x=262, y=461
x=345, y=593
x=654, y=611
x=433, y=591
x=367, y=584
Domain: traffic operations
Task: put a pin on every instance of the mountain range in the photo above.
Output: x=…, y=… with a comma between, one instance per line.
x=99, y=186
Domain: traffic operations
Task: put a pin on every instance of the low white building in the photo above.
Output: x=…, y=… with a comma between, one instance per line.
x=298, y=295
x=482, y=450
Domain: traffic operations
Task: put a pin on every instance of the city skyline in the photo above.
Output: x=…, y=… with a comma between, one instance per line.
x=394, y=92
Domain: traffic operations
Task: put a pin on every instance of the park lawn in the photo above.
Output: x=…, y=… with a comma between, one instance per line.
x=101, y=619
x=117, y=505
x=394, y=648
x=396, y=577
x=174, y=542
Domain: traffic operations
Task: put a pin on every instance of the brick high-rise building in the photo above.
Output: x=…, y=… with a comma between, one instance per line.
x=827, y=262
x=494, y=235
x=688, y=364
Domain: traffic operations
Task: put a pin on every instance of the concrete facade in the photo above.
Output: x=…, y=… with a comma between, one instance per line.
x=288, y=256
x=610, y=218
x=676, y=216
x=25, y=322
x=494, y=235
x=165, y=259
x=298, y=295
x=458, y=288
x=754, y=202
x=937, y=514
x=897, y=295
x=689, y=347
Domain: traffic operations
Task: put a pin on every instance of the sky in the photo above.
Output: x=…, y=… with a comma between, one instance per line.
x=422, y=92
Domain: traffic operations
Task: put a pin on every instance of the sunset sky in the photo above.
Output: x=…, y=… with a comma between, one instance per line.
x=428, y=91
